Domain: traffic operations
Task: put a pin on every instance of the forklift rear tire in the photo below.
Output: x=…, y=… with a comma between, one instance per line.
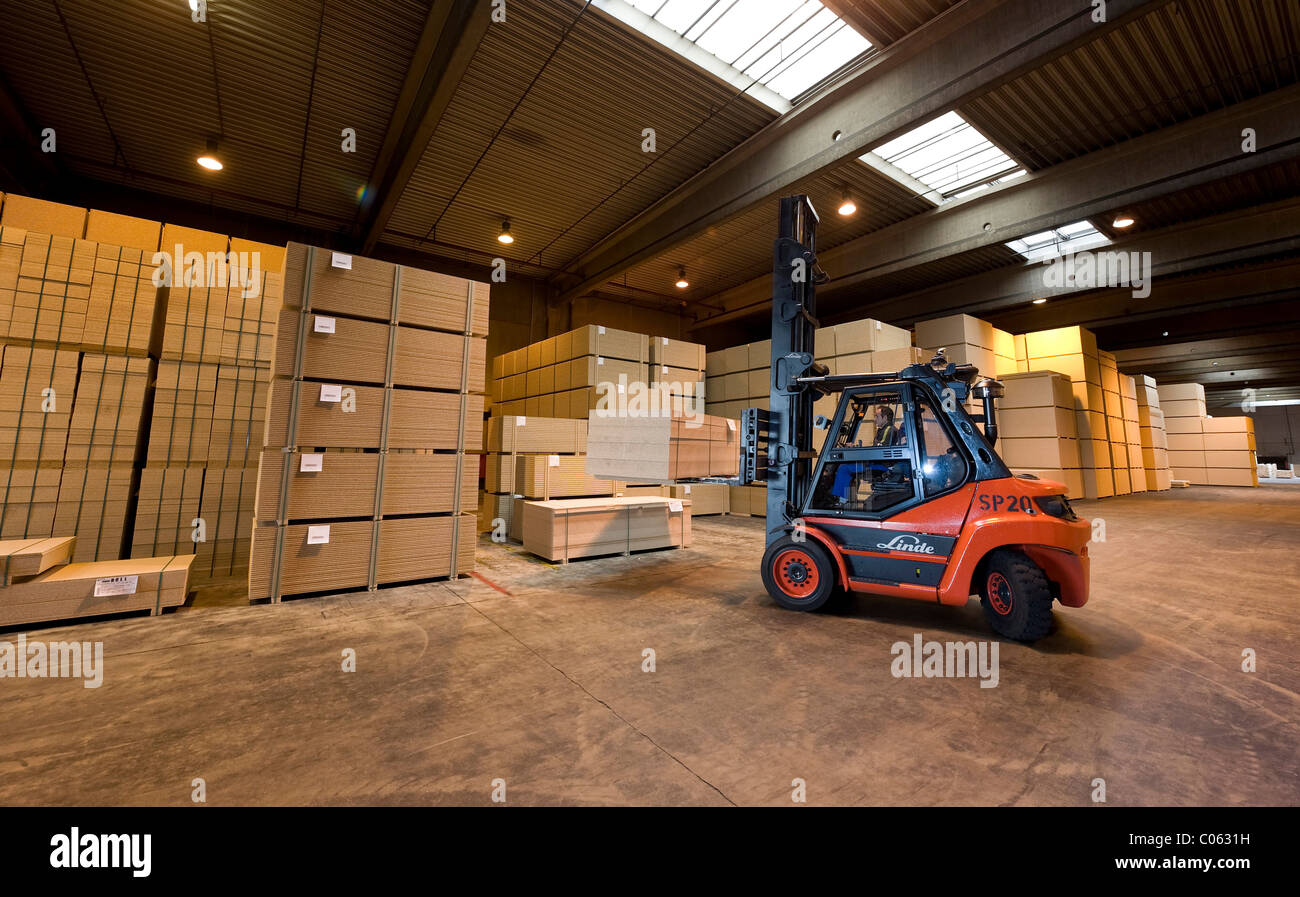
x=1016, y=596
x=799, y=575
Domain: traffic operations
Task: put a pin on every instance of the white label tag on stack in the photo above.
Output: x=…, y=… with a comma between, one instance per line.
x=312, y=463
x=553, y=461
x=674, y=506
x=318, y=535
x=599, y=360
x=688, y=488
x=322, y=324
x=665, y=339
x=600, y=328
x=331, y=392
x=521, y=421
x=731, y=424
x=341, y=260
x=116, y=585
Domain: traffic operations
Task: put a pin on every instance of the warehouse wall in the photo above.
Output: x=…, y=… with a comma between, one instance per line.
x=1277, y=431
x=624, y=316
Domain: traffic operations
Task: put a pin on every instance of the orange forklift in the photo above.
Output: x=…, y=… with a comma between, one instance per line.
x=907, y=496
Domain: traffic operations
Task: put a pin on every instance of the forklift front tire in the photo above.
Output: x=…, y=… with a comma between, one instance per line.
x=798, y=575
x=1016, y=596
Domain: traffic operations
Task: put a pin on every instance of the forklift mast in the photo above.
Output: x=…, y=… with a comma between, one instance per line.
x=785, y=429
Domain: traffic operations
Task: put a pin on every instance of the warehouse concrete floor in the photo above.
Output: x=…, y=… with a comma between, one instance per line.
x=532, y=674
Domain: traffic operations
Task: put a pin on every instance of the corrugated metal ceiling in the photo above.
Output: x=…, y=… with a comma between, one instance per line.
x=884, y=21
x=555, y=145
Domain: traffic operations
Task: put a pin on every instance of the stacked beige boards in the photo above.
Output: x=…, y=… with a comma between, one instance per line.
x=58, y=590
x=1230, y=458
x=747, y=501
x=1072, y=351
x=1183, y=405
x=1132, y=433
x=969, y=340
x=1037, y=432
x=1151, y=430
x=707, y=499
x=373, y=427
x=534, y=458
x=662, y=449
x=565, y=529
x=1112, y=405
x=677, y=369
x=567, y=375
x=222, y=298
x=740, y=377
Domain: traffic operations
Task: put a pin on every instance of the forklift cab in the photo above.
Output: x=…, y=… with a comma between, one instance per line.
x=889, y=450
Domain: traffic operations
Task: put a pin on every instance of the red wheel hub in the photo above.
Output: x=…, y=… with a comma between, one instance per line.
x=999, y=590
x=795, y=572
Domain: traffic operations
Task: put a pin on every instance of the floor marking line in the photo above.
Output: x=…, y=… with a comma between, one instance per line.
x=484, y=579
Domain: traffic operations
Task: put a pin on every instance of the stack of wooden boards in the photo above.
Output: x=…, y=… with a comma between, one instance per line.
x=212, y=375
x=369, y=462
x=39, y=584
x=1037, y=426
x=564, y=529
x=96, y=332
x=661, y=448
x=568, y=375
x=1203, y=450
x=1155, y=442
x=707, y=499
x=534, y=459
x=739, y=377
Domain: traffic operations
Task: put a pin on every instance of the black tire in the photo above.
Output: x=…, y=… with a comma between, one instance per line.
x=1016, y=596
x=798, y=575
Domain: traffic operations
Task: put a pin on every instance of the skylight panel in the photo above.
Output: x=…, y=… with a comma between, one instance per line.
x=949, y=156
x=786, y=46
x=1063, y=240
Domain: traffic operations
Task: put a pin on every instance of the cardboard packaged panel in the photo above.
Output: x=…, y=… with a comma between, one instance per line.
x=705, y=498
x=412, y=548
x=1047, y=453
x=442, y=302
x=340, y=564
x=1170, y=392
x=1036, y=389
x=325, y=424
x=340, y=283
x=565, y=529
x=955, y=330
x=68, y=592
x=1061, y=341
x=645, y=449
x=434, y=360
x=28, y=557
x=597, y=339
x=428, y=420
x=556, y=476
x=335, y=348
x=869, y=335
x=676, y=353
x=515, y=433
x=1044, y=421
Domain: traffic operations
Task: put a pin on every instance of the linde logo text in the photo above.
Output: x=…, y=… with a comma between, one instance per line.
x=78, y=851
x=53, y=660
x=945, y=660
x=911, y=544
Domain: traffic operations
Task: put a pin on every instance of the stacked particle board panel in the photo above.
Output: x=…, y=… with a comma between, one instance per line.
x=531, y=458
x=40, y=585
x=969, y=340
x=662, y=449
x=1132, y=433
x=1154, y=441
x=1183, y=405
x=564, y=529
x=747, y=501
x=570, y=374
x=1112, y=404
x=739, y=377
x=677, y=369
x=1230, y=458
x=373, y=427
x=707, y=499
x=1072, y=351
x=1037, y=431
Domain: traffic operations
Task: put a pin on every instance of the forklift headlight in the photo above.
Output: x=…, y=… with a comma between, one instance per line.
x=1056, y=506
